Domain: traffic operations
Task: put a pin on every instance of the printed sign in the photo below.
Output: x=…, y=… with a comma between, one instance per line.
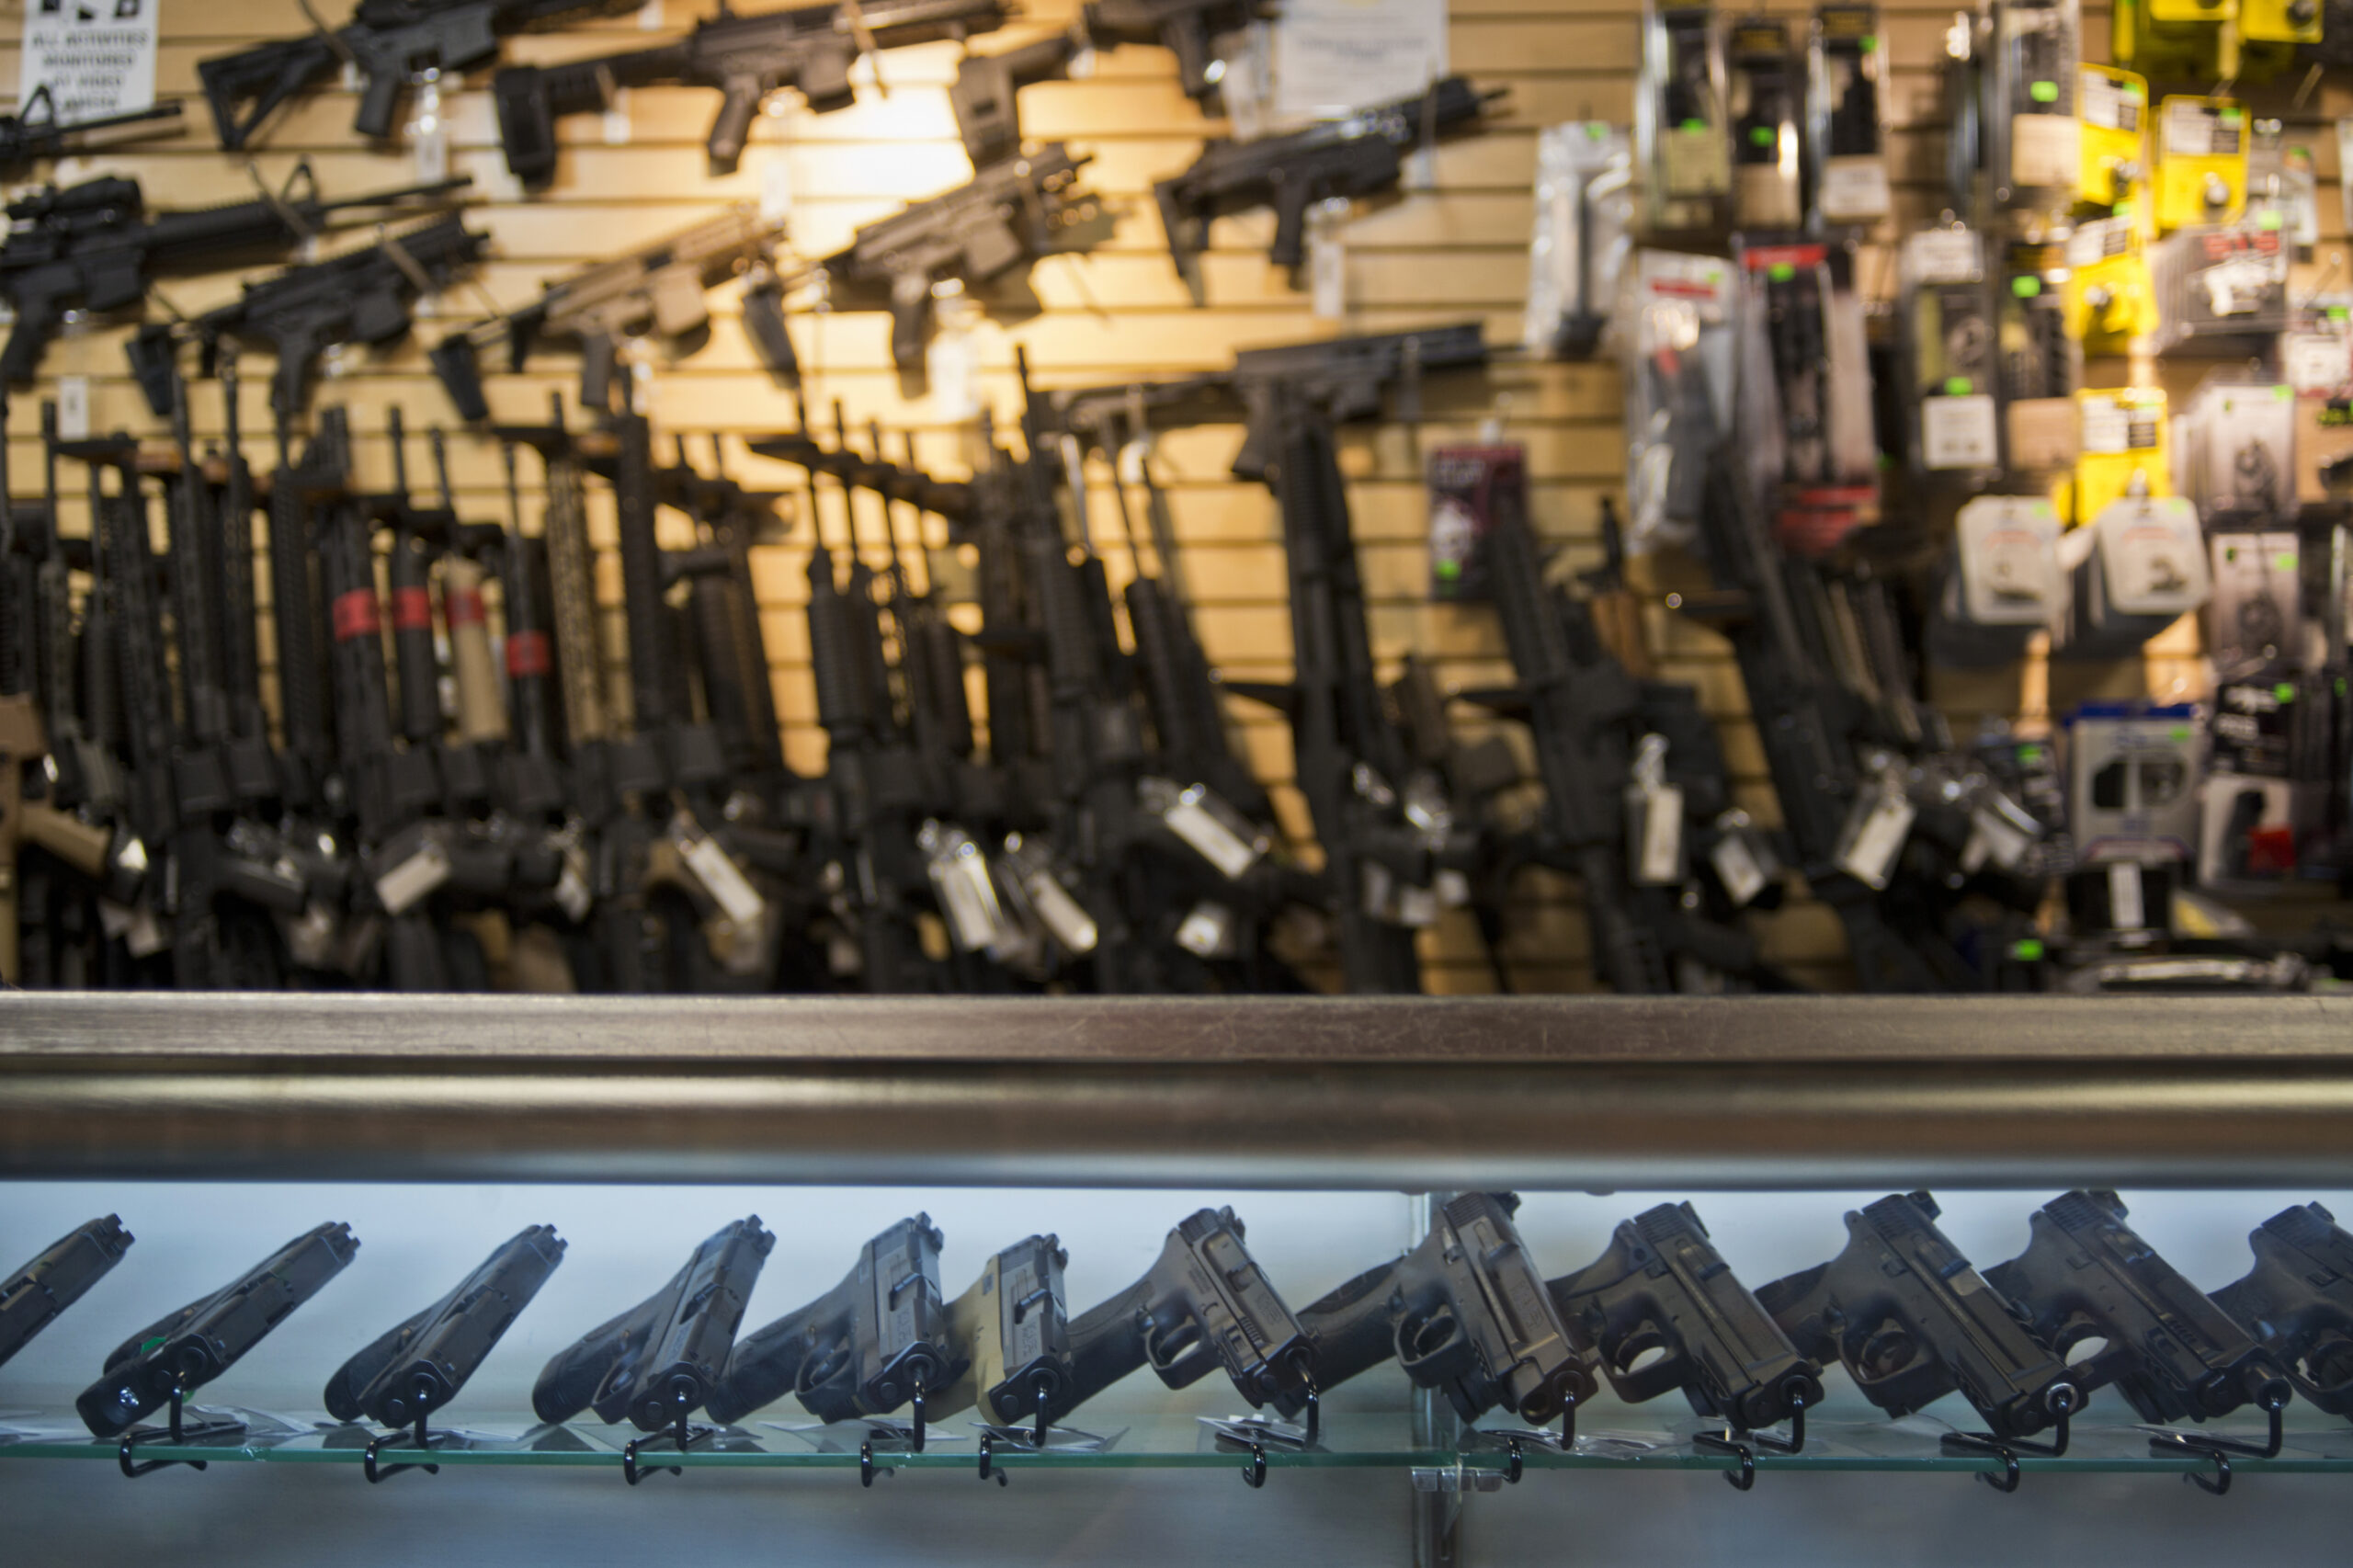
x=96, y=57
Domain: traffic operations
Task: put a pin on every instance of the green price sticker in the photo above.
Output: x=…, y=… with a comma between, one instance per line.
x=2179, y=735
x=2026, y=287
x=2043, y=92
x=1693, y=127
x=1957, y=386
x=2026, y=950
x=1763, y=136
x=1780, y=272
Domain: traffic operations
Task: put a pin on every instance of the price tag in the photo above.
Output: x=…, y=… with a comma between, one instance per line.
x=1417, y=907
x=399, y=889
x=716, y=870
x=2125, y=910
x=1735, y=862
x=1453, y=888
x=1876, y=829
x=73, y=408
x=572, y=895
x=649, y=16
x=616, y=128
x=1208, y=932
x=428, y=133
x=952, y=360
x=1064, y=916
x=1327, y=261
x=1994, y=837
x=775, y=186
x=1191, y=818
x=1959, y=432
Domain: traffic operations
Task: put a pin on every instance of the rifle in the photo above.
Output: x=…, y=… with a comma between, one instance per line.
x=2169, y=1351
x=1464, y=1313
x=2298, y=1301
x=94, y=247
x=1011, y=212
x=660, y=286
x=362, y=296
x=35, y=132
x=1662, y=1283
x=182, y=1351
x=255, y=775
x=1013, y=1331
x=418, y=1365
x=33, y=1296
x=388, y=42
x=878, y=1340
x=1204, y=1304
x=984, y=95
x=748, y=58
x=658, y=1362
x=1913, y=1322
x=1190, y=30
x=1356, y=156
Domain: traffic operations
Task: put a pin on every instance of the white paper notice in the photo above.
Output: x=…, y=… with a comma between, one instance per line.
x=1331, y=56
x=96, y=57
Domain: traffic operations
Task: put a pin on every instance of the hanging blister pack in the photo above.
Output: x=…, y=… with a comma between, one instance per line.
x=1653, y=819
x=2041, y=365
x=2034, y=152
x=2112, y=297
x=2006, y=583
x=1949, y=339
x=1584, y=209
x=2132, y=771
x=1804, y=415
x=2124, y=444
x=1847, y=78
x=1677, y=341
x=1763, y=94
x=1682, y=133
x=2222, y=292
x=2201, y=152
x=2143, y=570
x=2282, y=191
x=2113, y=156
x=2235, y=450
x=2256, y=621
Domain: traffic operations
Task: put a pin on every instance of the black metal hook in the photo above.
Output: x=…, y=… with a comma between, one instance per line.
x=988, y=1460
x=682, y=1435
x=1045, y=1394
x=422, y=1438
x=2275, y=1407
x=1733, y=1441
x=866, y=1462
x=1255, y=1472
x=1795, y=1442
x=1569, y=1425
x=914, y=1439
x=1314, y=1411
x=2220, y=1485
x=1518, y=1466
x=2062, y=1408
x=176, y=1430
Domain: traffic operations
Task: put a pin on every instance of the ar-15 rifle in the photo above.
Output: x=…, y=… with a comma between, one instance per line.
x=35, y=132
x=1662, y=1285
x=362, y=296
x=1465, y=1312
x=659, y=287
x=1203, y=1305
x=1011, y=213
x=178, y=1354
x=1356, y=156
x=748, y=58
x=1913, y=1322
x=32, y=1297
x=94, y=247
x=878, y=1340
x=387, y=41
x=658, y=1362
x=417, y=1366
x=1193, y=30
x=2173, y=1354
x=2298, y=1301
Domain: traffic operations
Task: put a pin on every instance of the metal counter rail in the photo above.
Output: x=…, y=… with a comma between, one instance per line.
x=1534, y=1093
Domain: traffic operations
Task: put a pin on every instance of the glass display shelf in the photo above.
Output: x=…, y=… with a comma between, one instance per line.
x=1841, y=1437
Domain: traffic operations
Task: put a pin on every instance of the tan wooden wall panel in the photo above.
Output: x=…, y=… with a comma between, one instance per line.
x=1457, y=251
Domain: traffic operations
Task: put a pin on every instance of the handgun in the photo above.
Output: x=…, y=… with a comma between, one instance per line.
x=56, y=1279
x=1661, y=1286
x=1013, y=1325
x=2298, y=1301
x=658, y=1361
x=1465, y=1312
x=878, y=1340
x=419, y=1365
x=1913, y=1322
x=2172, y=1352
x=182, y=1352
x=1205, y=1304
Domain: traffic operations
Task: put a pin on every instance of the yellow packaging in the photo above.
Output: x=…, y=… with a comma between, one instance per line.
x=2201, y=161
x=2279, y=21
x=2123, y=433
x=2174, y=13
x=2110, y=296
x=2114, y=107
x=2175, y=51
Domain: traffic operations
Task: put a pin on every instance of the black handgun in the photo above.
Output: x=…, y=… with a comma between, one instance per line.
x=1014, y=1327
x=1205, y=1304
x=418, y=1366
x=2170, y=1351
x=657, y=1362
x=1913, y=1322
x=1465, y=1312
x=878, y=1340
x=57, y=1279
x=195, y=1345
x=1661, y=1286
x=2298, y=1301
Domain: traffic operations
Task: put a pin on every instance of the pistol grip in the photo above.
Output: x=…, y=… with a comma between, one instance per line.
x=910, y=317
x=1290, y=200
x=598, y=354
x=378, y=100
x=739, y=101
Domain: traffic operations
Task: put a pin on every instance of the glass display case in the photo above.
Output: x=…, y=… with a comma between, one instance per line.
x=1341, y=1134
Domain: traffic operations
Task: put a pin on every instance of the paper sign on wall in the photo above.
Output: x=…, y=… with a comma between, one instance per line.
x=1331, y=56
x=96, y=57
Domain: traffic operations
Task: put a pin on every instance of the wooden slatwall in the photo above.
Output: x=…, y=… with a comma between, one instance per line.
x=1455, y=251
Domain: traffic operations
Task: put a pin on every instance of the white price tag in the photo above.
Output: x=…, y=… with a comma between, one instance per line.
x=72, y=408
x=1207, y=931
x=1959, y=432
x=775, y=186
x=952, y=362
x=1658, y=835
x=428, y=133
x=1736, y=868
x=616, y=121
x=649, y=16
x=716, y=872
x=1453, y=888
x=1327, y=264
x=1875, y=836
x=1994, y=837
x=2125, y=910
x=1417, y=907
x=572, y=895
x=399, y=889
x=1071, y=924
x=1216, y=843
